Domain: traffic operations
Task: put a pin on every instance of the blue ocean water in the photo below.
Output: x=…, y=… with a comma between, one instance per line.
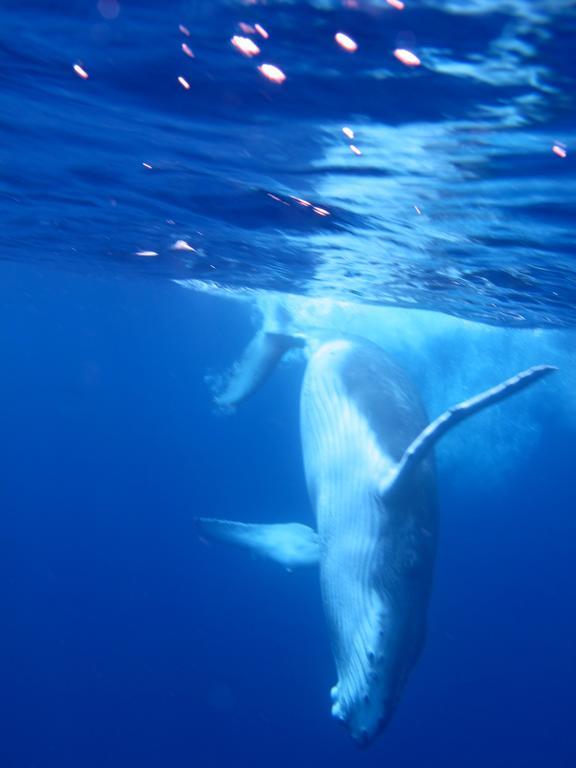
x=143, y=223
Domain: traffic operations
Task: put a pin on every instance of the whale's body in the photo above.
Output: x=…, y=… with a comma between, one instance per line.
x=358, y=415
x=370, y=476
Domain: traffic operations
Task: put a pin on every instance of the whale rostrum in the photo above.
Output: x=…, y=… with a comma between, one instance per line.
x=367, y=450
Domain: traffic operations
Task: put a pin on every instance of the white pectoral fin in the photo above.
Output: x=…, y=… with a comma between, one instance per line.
x=260, y=358
x=290, y=544
x=425, y=441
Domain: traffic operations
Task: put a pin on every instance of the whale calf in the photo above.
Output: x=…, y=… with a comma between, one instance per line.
x=367, y=451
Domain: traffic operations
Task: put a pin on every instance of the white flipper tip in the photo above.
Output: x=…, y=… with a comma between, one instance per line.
x=337, y=712
x=290, y=544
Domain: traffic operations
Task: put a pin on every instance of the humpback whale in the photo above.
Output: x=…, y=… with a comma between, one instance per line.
x=367, y=450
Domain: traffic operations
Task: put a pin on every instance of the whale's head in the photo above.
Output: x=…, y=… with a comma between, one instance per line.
x=366, y=711
x=380, y=652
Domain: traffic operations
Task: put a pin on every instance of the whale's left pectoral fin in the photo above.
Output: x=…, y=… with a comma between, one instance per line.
x=258, y=361
x=291, y=544
x=422, y=445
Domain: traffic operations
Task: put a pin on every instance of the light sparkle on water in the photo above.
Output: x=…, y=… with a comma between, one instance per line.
x=278, y=199
x=559, y=150
x=81, y=72
x=346, y=42
x=182, y=245
x=245, y=45
x=407, y=57
x=272, y=73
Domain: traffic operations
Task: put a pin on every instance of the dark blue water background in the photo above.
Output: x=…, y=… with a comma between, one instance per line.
x=127, y=641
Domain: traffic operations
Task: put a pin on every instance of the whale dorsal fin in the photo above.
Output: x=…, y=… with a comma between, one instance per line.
x=290, y=544
x=429, y=436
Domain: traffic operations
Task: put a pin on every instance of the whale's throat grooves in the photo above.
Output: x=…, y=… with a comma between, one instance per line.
x=363, y=569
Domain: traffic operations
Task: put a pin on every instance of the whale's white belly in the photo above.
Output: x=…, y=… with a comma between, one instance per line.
x=375, y=559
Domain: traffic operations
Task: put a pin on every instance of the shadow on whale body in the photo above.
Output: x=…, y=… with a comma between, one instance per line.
x=367, y=450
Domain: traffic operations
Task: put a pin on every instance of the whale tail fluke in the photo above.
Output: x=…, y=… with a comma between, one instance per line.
x=293, y=545
x=421, y=446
